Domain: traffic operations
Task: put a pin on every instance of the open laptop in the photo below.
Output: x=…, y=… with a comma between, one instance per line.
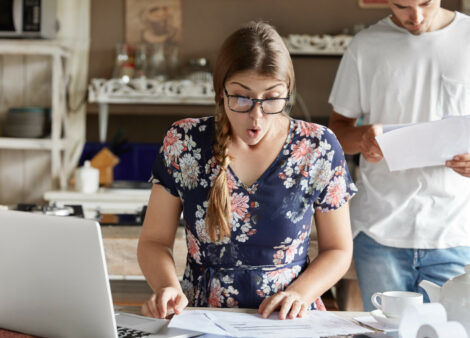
x=54, y=281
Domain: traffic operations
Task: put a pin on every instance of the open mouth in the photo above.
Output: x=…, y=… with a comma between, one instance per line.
x=253, y=132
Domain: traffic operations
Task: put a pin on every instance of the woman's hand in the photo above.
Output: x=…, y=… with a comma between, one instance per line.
x=369, y=147
x=166, y=301
x=290, y=303
x=460, y=164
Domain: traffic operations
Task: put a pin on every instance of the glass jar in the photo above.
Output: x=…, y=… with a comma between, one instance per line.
x=198, y=70
x=141, y=67
x=157, y=64
x=124, y=63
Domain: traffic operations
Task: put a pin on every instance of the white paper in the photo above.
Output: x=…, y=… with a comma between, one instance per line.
x=253, y=325
x=196, y=320
x=389, y=127
x=425, y=144
x=314, y=324
x=237, y=324
x=370, y=321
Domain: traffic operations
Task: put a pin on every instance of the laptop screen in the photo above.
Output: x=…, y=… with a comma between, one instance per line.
x=54, y=281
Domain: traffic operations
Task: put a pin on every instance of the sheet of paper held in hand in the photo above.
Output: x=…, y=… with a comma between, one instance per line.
x=425, y=144
x=236, y=324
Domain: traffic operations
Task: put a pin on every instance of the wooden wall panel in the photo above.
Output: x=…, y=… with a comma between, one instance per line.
x=27, y=81
x=11, y=173
x=37, y=90
x=12, y=81
x=37, y=168
x=24, y=174
x=36, y=176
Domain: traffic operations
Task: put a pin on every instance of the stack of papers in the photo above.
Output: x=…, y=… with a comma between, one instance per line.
x=425, y=144
x=235, y=324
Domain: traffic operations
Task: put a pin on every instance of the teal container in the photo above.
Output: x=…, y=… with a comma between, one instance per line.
x=27, y=122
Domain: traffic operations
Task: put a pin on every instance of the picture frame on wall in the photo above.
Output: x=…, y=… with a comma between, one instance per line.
x=153, y=21
x=373, y=3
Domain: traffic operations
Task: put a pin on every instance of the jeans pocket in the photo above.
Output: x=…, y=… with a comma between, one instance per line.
x=454, y=97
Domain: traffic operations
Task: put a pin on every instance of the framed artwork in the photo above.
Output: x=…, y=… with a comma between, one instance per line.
x=373, y=3
x=153, y=21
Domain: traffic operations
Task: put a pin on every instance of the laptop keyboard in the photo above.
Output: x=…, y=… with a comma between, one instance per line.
x=124, y=332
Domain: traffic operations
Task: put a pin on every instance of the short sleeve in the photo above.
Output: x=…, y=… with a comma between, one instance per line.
x=345, y=95
x=162, y=172
x=339, y=187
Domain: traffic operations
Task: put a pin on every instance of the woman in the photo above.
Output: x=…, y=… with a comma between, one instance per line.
x=248, y=182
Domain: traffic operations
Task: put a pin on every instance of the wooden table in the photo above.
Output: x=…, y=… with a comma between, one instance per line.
x=11, y=334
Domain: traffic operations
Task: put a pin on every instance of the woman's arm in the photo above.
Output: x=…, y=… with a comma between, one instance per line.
x=333, y=260
x=155, y=253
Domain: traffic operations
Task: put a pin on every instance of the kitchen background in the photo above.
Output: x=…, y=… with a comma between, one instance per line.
x=94, y=28
x=205, y=24
x=90, y=31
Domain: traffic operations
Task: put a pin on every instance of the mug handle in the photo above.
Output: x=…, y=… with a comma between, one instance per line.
x=374, y=301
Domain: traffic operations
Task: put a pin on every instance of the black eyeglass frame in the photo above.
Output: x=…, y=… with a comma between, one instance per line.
x=255, y=101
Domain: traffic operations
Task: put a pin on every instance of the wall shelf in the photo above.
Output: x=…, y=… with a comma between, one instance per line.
x=30, y=143
x=142, y=91
x=146, y=92
x=56, y=143
x=317, y=45
x=32, y=47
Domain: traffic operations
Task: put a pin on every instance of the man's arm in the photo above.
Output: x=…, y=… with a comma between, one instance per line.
x=357, y=139
x=460, y=164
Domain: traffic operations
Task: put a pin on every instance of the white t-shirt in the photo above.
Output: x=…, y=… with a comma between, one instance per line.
x=391, y=76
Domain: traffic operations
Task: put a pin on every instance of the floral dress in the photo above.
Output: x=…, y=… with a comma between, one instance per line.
x=271, y=219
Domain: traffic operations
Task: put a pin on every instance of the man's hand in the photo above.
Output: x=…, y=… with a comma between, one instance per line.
x=290, y=303
x=369, y=147
x=460, y=164
x=166, y=301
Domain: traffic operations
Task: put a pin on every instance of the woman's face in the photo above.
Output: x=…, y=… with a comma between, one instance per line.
x=253, y=126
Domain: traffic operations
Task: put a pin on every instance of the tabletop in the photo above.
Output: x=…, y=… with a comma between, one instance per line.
x=348, y=315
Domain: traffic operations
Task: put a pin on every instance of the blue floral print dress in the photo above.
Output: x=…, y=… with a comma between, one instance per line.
x=270, y=220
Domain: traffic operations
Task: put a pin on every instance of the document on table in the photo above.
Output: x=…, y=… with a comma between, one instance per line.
x=425, y=144
x=236, y=324
x=196, y=320
x=368, y=320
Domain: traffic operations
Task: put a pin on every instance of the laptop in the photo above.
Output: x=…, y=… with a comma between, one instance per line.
x=54, y=281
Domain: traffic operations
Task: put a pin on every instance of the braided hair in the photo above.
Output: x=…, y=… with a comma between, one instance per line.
x=255, y=47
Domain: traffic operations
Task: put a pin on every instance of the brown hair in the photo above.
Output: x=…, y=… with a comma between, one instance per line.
x=257, y=47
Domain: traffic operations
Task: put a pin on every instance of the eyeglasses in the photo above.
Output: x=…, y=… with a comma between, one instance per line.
x=243, y=104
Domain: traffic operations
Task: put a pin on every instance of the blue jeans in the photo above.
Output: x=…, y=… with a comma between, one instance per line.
x=382, y=268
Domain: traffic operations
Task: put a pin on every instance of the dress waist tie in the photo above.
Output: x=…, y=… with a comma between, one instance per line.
x=207, y=272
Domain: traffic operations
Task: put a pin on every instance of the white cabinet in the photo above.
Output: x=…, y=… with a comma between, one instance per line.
x=49, y=57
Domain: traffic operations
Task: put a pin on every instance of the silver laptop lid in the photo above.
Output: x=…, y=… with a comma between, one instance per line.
x=53, y=277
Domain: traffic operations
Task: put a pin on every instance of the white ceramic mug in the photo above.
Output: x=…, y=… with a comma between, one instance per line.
x=393, y=303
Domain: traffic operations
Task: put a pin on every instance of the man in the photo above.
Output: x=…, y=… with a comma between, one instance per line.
x=409, y=225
